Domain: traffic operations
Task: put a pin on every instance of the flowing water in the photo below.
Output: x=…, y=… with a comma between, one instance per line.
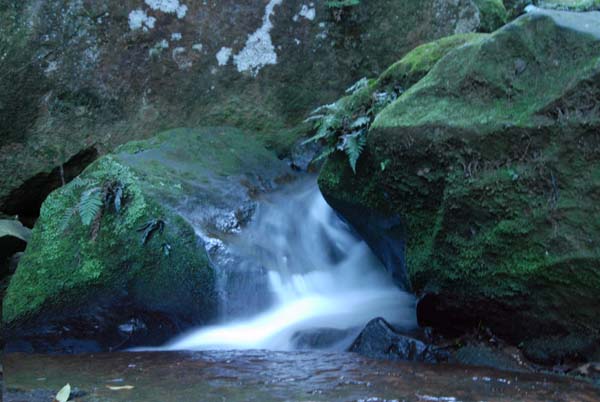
x=319, y=275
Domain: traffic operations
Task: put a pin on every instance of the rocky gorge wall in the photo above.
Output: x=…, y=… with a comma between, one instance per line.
x=81, y=76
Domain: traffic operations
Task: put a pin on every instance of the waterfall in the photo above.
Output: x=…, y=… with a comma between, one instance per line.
x=317, y=275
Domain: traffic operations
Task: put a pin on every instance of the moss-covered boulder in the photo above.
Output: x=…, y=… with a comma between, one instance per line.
x=490, y=163
x=135, y=269
x=81, y=77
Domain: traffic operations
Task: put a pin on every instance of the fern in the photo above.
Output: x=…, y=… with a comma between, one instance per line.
x=90, y=205
x=66, y=218
x=353, y=145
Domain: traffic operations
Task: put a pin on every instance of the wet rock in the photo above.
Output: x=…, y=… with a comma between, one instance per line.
x=487, y=167
x=145, y=266
x=379, y=340
x=485, y=356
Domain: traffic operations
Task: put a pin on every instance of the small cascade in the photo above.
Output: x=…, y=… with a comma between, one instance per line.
x=309, y=272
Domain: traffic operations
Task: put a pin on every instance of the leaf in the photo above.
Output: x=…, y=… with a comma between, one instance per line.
x=358, y=85
x=66, y=218
x=120, y=387
x=326, y=152
x=360, y=122
x=90, y=205
x=353, y=145
x=326, y=127
x=64, y=394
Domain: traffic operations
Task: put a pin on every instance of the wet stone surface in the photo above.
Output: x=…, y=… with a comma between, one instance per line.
x=272, y=376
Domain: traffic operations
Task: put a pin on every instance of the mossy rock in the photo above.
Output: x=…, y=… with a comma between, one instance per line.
x=84, y=281
x=492, y=14
x=491, y=162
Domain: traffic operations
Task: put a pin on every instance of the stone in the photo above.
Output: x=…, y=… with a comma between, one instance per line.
x=379, y=340
x=492, y=172
x=80, y=286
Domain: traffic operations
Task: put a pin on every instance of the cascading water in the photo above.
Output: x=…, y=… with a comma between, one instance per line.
x=319, y=275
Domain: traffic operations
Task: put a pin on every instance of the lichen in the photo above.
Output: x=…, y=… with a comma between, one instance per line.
x=259, y=50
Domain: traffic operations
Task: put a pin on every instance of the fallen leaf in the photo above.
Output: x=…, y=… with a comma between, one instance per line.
x=64, y=394
x=120, y=387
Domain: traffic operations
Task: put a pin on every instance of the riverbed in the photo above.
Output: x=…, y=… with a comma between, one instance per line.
x=265, y=376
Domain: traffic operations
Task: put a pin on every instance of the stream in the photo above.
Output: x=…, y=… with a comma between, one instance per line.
x=304, y=289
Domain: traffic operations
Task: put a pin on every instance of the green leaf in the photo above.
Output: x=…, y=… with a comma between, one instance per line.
x=90, y=205
x=66, y=218
x=64, y=394
x=358, y=85
x=353, y=145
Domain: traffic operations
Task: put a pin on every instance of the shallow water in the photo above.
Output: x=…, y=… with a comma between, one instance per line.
x=256, y=375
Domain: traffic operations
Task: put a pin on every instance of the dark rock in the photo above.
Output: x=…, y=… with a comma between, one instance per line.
x=379, y=340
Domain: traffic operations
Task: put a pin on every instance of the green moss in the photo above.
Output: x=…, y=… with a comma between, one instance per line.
x=492, y=13
x=417, y=63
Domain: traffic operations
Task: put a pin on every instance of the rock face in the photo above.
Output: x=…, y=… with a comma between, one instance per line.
x=80, y=77
x=139, y=271
x=379, y=340
x=490, y=162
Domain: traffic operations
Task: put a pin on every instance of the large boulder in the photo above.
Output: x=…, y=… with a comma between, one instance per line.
x=488, y=168
x=120, y=256
x=80, y=77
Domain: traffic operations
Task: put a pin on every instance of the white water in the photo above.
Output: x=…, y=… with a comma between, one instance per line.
x=320, y=274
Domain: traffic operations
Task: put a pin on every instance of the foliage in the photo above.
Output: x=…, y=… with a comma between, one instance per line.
x=343, y=126
x=93, y=202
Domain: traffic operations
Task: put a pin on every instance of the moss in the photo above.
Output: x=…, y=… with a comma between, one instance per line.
x=417, y=63
x=492, y=13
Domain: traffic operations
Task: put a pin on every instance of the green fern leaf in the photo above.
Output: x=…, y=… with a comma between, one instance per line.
x=353, y=145
x=66, y=218
x=90, y=205
x=326, y=152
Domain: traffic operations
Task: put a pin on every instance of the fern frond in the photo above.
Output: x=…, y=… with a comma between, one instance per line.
x=353, y=145
x=326, y=152
x=326, y=127
x=66, y=218
x=358, y=85
x=90, y=205
x=78, y=182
